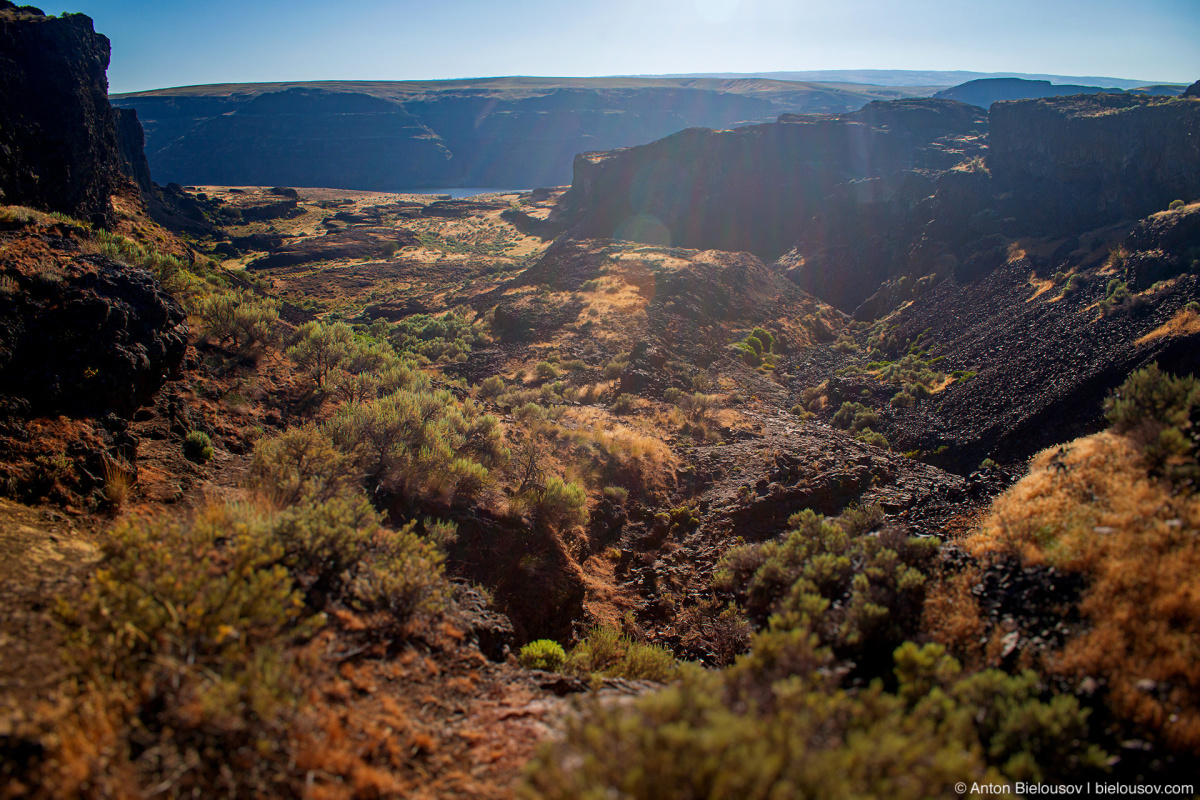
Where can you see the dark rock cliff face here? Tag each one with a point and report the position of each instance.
(1073, 163)
(842, 185)
(392, 136)
(857, 204)
(80, 334)
(58, 142)
(305, 138)
(132, 142)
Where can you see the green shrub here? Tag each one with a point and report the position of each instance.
(243, 319)
(1150, 396)
(300, 464)
(607, 652)
(772, 726)
(672, 395)
(764, 336)
(198, 447)
(617, 494)
(545, 370)
(182, 629)
(698, 405)
(855, 417)
(420, 444)
(1116, 294)
(623, 404)
(1156, 408)
(445, 338)
(491, 387)
(872, 438)
(903, 399)
(544, 654)
(559, 505)
(860, 594)
(319, 348)
(1174, 204)
(612, 370)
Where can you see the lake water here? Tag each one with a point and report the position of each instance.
(463, 191)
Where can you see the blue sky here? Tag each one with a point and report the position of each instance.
(161, 43)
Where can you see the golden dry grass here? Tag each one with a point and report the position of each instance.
(1041, 287)
(1091, 507)
(1185, 323)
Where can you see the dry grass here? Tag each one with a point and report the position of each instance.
(1185, 323)
(118, 485)
(952, 617)
(1041, 287)
(1091, 507)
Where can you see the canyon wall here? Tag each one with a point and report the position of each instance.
(504, 132)
(1079, 162)
(58, 142)
(856, 207)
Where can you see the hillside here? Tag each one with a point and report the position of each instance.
(850, 454)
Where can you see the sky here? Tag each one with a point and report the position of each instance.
(164, 43)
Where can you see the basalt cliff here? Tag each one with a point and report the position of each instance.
(389, 136)
(899, 189)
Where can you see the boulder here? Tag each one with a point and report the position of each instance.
(93, 338)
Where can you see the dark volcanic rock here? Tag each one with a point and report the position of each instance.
(1193, 90)
(754, 188)
(296, 137)
(132, 142)
(58, 140)
(1044, 365)
(355, 242)
(100, 337)
(847, 194)
(261, 212)
(858, 203)
(398, 136)
(1080, 162)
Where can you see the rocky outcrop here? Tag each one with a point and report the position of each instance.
(353, 242)
(1068, 164)
(58, 138)
(1193, 90)
(82, 334)
(986, 91)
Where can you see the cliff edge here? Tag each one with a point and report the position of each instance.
(58, 140)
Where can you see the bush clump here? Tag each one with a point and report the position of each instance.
(1157, 410)
(772, 726)
(420, 444)
(242, 319)
(544, 654)
(855, 417)
(198, 447)
(860, 594)
(300, 464)
(607, 652)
